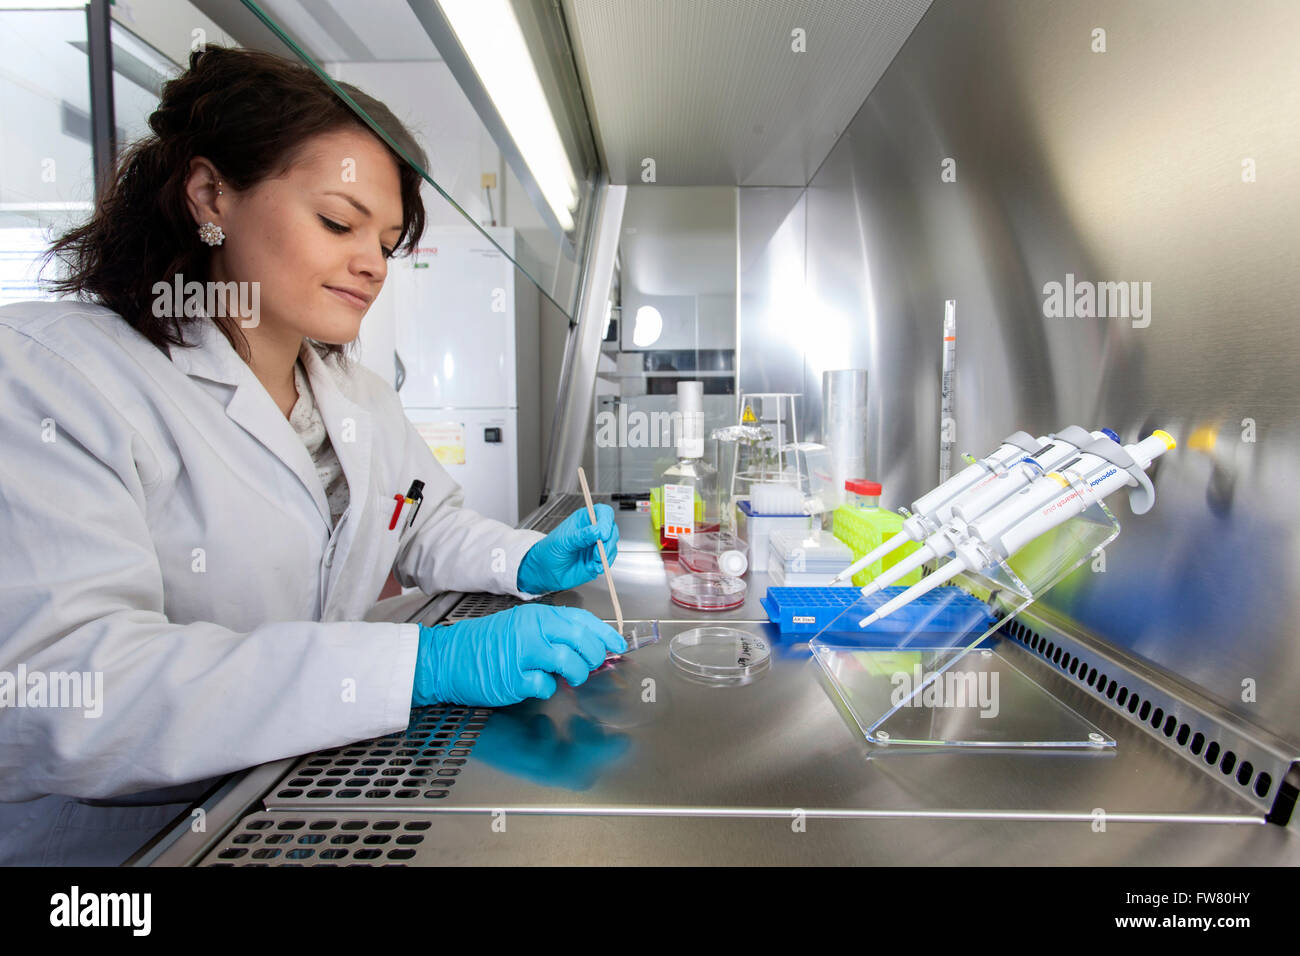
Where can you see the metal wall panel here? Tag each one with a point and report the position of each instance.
(1122, 165)
(771, 239)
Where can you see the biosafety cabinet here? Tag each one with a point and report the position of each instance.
(754, 195)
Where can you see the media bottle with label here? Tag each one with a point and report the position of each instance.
(688, 489)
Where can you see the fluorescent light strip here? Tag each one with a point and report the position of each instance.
(490, 35)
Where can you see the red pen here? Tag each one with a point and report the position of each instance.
(413, 497)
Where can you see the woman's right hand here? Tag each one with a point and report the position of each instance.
(506, 657)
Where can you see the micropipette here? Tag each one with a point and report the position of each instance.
(933, 509)
(985, 496)
(1047, 502)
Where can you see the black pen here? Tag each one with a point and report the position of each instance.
(416, 494)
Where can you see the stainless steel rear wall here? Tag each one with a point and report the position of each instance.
(1128, 165)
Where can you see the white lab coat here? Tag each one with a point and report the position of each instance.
(162, 524)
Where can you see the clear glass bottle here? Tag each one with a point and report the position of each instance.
(689, 487)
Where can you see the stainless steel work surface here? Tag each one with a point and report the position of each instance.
(504, 839)
(640, 737)
(643, 765)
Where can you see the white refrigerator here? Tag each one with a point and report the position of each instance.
(461, 323)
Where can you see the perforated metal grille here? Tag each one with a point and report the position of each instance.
(557, 509)
(309, 839)
(478, 605)
(417, 766)
(1228, 755)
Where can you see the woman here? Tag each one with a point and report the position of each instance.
(200, 496)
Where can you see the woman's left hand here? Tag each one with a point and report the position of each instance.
(567, 557)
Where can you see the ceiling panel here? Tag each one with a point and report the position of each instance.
(714, 91)
(351, 31)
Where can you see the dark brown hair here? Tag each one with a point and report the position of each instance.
(250, 113)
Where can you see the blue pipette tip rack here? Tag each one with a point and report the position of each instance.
(944, 611)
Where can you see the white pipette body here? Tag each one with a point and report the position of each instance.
(932, 509)
(1049, 500)
(1045, 504)
(985, 496)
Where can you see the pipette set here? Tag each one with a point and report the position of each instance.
(994, 507)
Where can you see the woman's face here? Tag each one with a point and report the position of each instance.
(311, 237)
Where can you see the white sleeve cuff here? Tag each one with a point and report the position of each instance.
(397, 709)
(508, 579)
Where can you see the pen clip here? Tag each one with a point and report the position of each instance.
(416, 496)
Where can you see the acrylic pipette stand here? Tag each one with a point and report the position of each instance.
(933, 689)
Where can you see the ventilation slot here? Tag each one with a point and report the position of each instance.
(559, 508)
(267, 840)
(1145, 711)
(481, 605)
(418, 765)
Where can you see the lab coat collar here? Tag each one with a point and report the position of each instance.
(348, 422)
(349, 425)
(210, 355)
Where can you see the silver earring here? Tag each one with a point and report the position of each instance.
(211, 233)
(219, 187)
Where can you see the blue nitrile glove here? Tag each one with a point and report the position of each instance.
(567, 556)
(505, 657)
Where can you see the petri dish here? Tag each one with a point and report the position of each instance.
(720, 655)
(707, 591)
